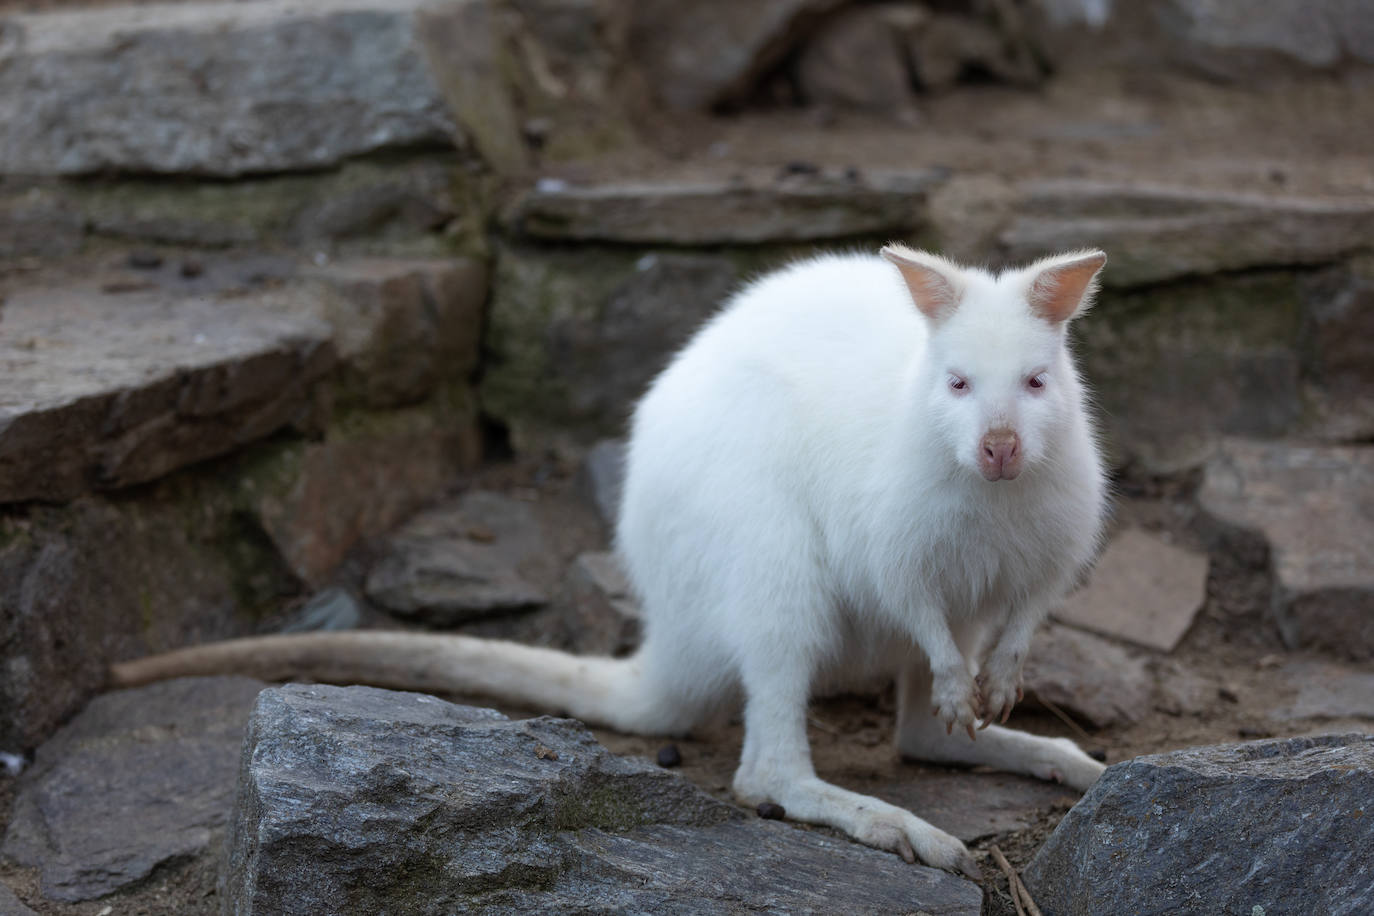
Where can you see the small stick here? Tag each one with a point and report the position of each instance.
(1064, 717)
(1007, 870)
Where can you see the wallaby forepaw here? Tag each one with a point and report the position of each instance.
(956, 702)
(999, 684)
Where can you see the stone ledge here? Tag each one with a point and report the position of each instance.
(110, 384)
(102, 390)
(216, 88)
(723, 212)
(1158, 233)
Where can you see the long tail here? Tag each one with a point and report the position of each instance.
(603, 691)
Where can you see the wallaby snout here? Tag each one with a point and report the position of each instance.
(999, 454)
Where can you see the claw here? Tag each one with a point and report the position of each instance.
(905, 851)
(986, 723)
(969, 868)
(934, 711)
(1020, 694)
(1006, 713)
(949, 728)
(972, 735)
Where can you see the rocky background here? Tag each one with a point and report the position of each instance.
(330, 314)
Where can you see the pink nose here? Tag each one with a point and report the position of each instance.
(999, 454)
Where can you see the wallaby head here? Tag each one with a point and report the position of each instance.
(996, 381)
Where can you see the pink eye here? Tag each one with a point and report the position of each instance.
(1036, 381)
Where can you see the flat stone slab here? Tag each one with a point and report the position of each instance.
(791, 209)
(1314, 505)
(1264, 827)
(102, 389)
(1143, 590)
(1087, 676)
(974, 806)
(140, 778)
(460, 561)
(11, 905)
(1157, 233)
(219, 89)
(360, 801)
(1327, 691)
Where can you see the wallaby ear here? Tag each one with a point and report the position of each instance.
(1063, 286)
(935, 283)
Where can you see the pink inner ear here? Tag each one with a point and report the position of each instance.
(933, 292)
(1058, 291)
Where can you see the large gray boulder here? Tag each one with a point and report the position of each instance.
(362, 801)
(216, 88)
(1265, 827)
(1314, 506)
(140, 779)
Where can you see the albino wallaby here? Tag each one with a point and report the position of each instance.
(856, 467)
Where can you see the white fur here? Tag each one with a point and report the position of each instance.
(803, 507)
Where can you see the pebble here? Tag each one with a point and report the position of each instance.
(771, 811)
(145, 260)
(669, 756)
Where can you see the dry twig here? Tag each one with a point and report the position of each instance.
(1019, 894)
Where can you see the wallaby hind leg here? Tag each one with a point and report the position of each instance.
(922, 737)
(776, 766)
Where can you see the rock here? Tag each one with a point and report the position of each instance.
(401, 326)
(138, 780)
(315, 500)
(604, 473)
(11, 905)
(355, 800)
(1220, 40)
(807, 208)
(1272, 826)
(574, 337)
(856, 61)
(38, 224)
(698, 55)
(239, 89)
(974, 806)
(1327, 691)
(1143, 590)
(1219, 358)
(331, 609)
(467, 46)
(1341, 310)
(103, 391)
(1087, 676)
(1315, 507)
(1158, 233)
(401, 198)
(946, 47)
(606, 616)
(1179, 690)
(437, 570)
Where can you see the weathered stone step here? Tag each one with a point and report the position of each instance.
(107, 383)
(216, 88)
(100, 389)
(741, 210)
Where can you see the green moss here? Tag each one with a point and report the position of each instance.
(601, 807)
